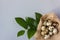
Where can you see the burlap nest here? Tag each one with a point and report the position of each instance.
(54, 18)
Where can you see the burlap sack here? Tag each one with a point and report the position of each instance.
(52, 17)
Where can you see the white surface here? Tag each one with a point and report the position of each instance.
(9, 9)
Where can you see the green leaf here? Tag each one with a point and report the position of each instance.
(30, 33)
(35, 24)
(20, 33)
(30, 22)
(38, 16)
(21, 22)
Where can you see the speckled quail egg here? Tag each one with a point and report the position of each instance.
(51, 28)
(55, 24)
(43, 28)
(46, 31)
(46, 36)
(45, 22)
(50, 33)
(55, 31)
(48, 23)
(42, 33)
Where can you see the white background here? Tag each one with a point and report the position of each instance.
(9, 9)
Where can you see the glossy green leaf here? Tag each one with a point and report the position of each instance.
(38, 16)
(35, 24)
(21, 22)
(30, 21)
(30, 33)
(20, 33)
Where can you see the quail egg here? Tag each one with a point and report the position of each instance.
(42, 33)
(45, 22)
(46, 36)
(55, 31)
(50, 28)
(48, 23)
(46, 31)
(50, 33)
(43, 28)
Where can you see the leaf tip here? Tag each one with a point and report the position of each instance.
(20, 33)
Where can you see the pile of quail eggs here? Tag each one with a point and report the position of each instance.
(48, 29)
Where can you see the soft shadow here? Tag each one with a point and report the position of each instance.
(57, 11)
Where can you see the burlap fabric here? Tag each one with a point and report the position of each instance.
(53, 17)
